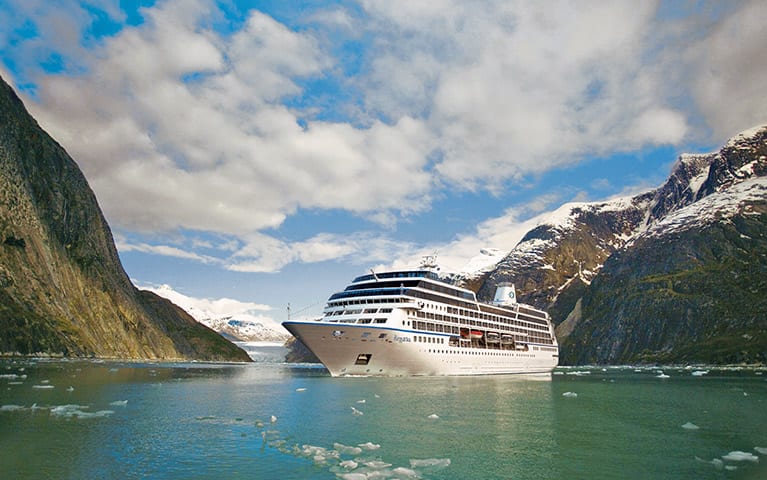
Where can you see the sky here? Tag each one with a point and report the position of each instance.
(267, 152)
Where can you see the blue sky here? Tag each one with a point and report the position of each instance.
(269, 151)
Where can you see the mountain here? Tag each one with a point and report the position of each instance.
(235, 320)
(675, 274)
(63, 290)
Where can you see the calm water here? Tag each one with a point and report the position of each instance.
(198, 421)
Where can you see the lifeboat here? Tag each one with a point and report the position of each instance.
(472, 334)
(493, 337)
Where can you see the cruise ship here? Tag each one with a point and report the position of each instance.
(411, 322)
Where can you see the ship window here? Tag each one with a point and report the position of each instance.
(380, 320)
(383, 335)
(385, 310)
(370, 310)
(364, 320)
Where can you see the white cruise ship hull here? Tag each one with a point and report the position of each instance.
(366, 350)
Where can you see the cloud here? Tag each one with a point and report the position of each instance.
(192, 124)
(518, 88)
(180, 126)
(727, 71)
(267, 254)
(164, 250)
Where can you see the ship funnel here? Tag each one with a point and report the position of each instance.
(505, 294)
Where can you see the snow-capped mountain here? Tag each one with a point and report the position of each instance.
(235, 320)
(641, 278)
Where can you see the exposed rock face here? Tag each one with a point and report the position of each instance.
(673, 275)
(62, 287)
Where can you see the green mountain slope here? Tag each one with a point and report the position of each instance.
(62, 287)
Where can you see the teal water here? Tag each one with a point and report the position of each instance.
(199, 421)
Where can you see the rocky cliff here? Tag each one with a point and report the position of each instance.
(676, 274)
(62, 287)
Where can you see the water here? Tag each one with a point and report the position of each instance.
(200, 421)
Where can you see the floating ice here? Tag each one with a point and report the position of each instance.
(405, 472)
(119, 403)
(361, 401)
(10, 408)
(356, 412)
(433, 416)
(369, 446)
(377, 395)
(662, 375)
(377, 464)
(70, 411)
(352, 476)
(430, 462)
(70, 388)
(347, 450)
(348, 464)
(761, 450)
(690, 426)
(10, 376)
(699, 373)
(738, 456)
(730, 468)
(273, 419)
(300, 389)
(43, 387)
(570, 394)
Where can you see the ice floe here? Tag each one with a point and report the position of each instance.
(10, 408)
(273, 419)
(662, 375)
(738, 456)
(405, 472)
(361, 462)
(430, 462)
(43, 387)
(119, 403)
(300, 389)
(570, 394)
(761, 450)
(690, 426)
(699, 373)
(433, 416)
(352, 476)
(369, 446)
(78, 411)
(346, 449)
(356, 412)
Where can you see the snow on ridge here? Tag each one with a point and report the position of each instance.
(225, 315)
(718, 206)
(698, 181)
(745, 135)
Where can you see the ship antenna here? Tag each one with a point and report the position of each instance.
(429, 262)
